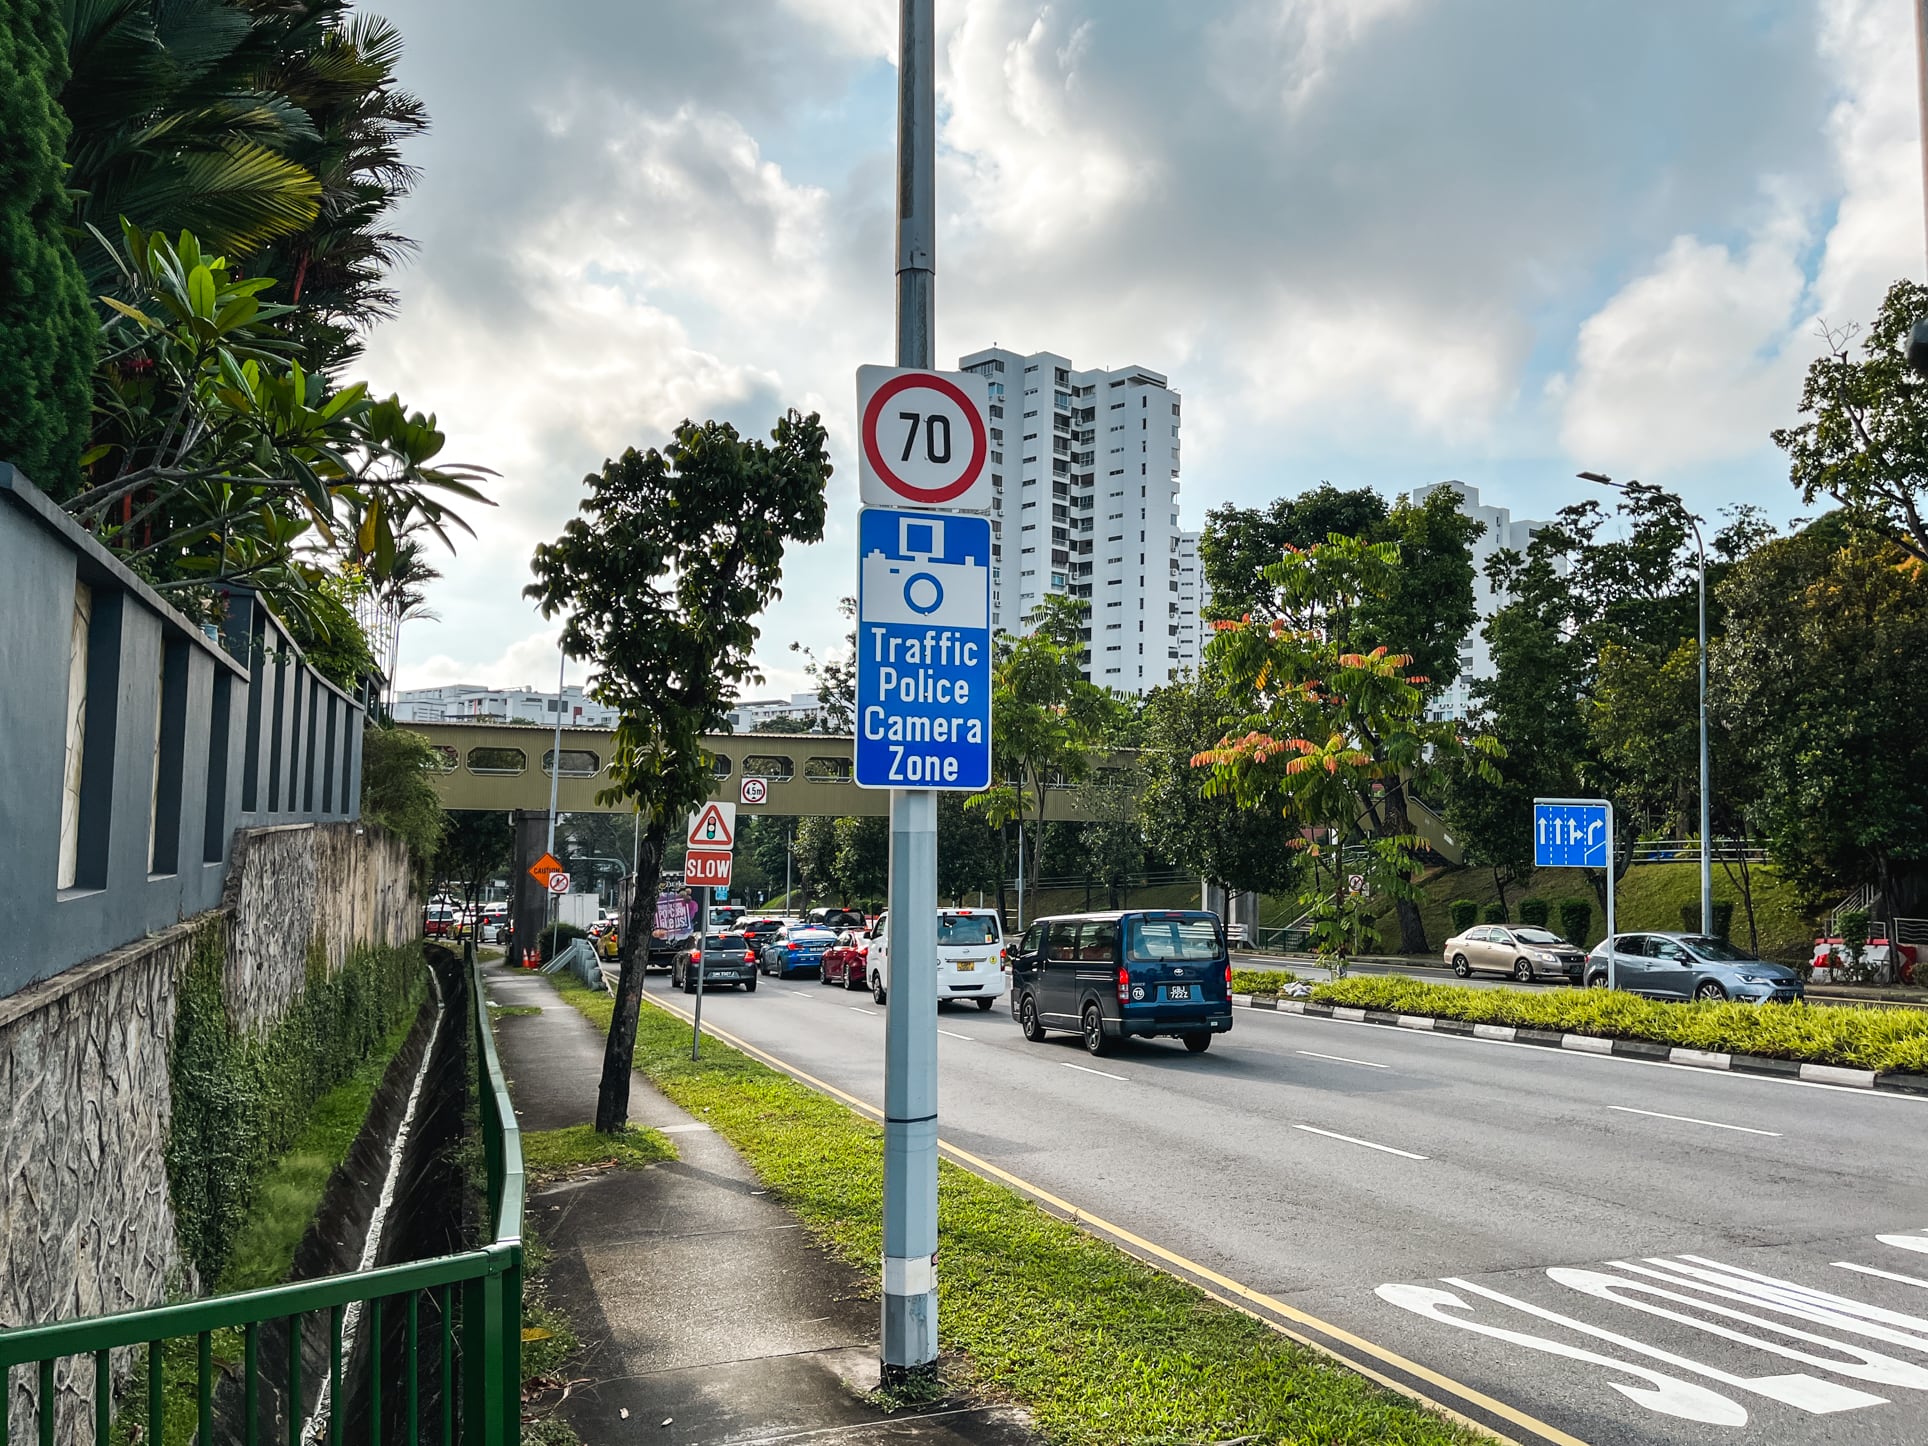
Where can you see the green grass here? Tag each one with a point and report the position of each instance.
(549, 1154)
(1098, 1346)
(1878, 1039)
(1261, 981)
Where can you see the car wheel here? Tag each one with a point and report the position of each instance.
(984, 1005)
(749, 985)
(1522, 971)
(823, 975)
(1707, 991)
(1198, 1043)
(1028, 1019)
(1598, 981)
(689, 982)
(853, 980)
(1092, 1027)
(877, 990)
(1461, 967)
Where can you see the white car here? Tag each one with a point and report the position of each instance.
(970, 957)
(491, 920)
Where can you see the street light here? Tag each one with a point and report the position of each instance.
(1706, 833)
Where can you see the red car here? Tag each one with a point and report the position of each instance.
(846, 962)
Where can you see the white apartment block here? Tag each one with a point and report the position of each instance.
(1085, 466)
(746, 716)
(1502, 531)
(473, 703)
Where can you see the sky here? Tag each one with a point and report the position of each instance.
(1373, 242)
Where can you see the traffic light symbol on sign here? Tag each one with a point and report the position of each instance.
(712, 830)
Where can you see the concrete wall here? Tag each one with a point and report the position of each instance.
(86, 1225)
(179, 741)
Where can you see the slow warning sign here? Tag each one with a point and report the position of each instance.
(713, 826)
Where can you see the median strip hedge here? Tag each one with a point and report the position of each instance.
(1098, 1346)
(1261, 981)
(1877, 1039)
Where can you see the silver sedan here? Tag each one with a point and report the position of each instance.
(1525, 951)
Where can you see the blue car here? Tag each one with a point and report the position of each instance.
(1691, 966)
(795, 949)
(1126, 975)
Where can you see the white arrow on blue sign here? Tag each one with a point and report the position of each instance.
(1571, 833)
(923, 650)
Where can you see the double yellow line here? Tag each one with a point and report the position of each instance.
(1266, 1309)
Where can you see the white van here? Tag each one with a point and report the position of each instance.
(970, 957)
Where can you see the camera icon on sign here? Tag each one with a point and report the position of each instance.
(912, 583)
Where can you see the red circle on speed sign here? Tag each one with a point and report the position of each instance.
(951, 392)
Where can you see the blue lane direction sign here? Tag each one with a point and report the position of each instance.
(1571, 833)
(923, 650)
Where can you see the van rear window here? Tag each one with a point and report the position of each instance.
(966, 930)
(1184, 941)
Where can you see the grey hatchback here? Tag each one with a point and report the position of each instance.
(1691, 966)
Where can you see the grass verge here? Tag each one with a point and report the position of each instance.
(1877, 1039)
(1266, 982)
(552, 1154)
(549, 1344)
(1098, 1346)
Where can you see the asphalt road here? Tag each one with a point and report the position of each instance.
(1458, 1203)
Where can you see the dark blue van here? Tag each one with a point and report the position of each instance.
(1115, 976)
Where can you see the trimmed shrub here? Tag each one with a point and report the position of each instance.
(1465, 914)
(1576, 919)
(1535, 911)
(1493, 913)
(555, 937)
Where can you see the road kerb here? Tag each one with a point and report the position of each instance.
(1840, 1076)
(1270, 1311)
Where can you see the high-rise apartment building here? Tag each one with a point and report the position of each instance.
(1502, 531)
(1085, 466)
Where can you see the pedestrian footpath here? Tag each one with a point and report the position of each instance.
(707, 1315)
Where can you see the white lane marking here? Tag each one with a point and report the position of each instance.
(1881, 1274)
(1690, 1120)
(955, 1035)
(683, 1129)
(1083, 1069)
(1727, 1074)
(859, 1009)
(1350, 1140)
(1343, 1060)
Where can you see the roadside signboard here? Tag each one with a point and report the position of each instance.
(707, 868)
(543, 867)
(754, 791)
(1571, 833)
(923, 651)
(923, 441)
(558, 882)
(674, 916)
(713, 826)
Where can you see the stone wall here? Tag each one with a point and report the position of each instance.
(86, 1226)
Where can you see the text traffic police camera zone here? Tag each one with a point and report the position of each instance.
(923, 651)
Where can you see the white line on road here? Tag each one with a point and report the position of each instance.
(1083, 1069)
(956, 1036)
(859, 1009)
(1690, 1120)
(1343, 1060)
(1350, 1140)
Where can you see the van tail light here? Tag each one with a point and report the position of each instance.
(1228, 981)
(1124, 984)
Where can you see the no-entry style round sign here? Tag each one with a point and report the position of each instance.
(924, 442)
(754, 790)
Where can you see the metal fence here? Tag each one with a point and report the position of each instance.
(470, 1350)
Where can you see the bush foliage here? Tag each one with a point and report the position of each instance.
(1576, 920)
(1878, 1039)
(1465, 914)
(1535, 911)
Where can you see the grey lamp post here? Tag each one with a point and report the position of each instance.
(1706, 832)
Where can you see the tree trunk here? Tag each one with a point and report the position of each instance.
(1003, 869)
(619, 1051)
(1397, 822)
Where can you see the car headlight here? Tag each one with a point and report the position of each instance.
(1546, 956)
(1757, 979)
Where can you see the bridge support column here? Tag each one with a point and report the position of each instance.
(528, 900)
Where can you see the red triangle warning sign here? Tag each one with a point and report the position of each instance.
(714, 827)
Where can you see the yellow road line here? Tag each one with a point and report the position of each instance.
(1245, 1296)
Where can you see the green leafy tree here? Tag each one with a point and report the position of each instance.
(476, 846)
(969, 858)
(1328, 729)
(1215, 837)
(1047, 718)
(46, 324)
(678, 552)
(786, 723)
(396, 793)
(860, 863)
(1865, 443)
(1240, 543)
(815, 857)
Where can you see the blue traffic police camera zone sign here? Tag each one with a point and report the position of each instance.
(923, 650)
(1571, 833)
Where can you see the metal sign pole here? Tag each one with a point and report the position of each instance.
(909, 1346)
(1613, 980)
(702, 933)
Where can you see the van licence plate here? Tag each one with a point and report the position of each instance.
(965, 966)
(1178, 991)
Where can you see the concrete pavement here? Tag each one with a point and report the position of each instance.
(1456, 1203)
(707, 1315)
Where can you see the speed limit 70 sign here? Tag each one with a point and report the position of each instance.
(924, 442)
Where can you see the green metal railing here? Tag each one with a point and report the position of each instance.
(470, 1350)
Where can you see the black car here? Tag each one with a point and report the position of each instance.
(1116, 976)
(725, 959)
(838, 919)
